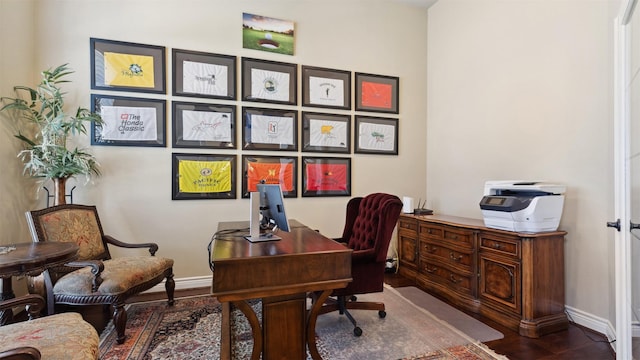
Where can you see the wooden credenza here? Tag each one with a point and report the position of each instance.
(515, 279)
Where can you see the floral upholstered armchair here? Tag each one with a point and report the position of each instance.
(56, 337)
(95, 278)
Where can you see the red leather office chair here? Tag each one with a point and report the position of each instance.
(369, 224)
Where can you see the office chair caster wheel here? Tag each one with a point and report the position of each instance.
(357, 331)
(353, 298)
(382, 314)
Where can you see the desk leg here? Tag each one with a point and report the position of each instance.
(225, 334)
(6, 316)
(284, 327)
(311, 324)
(255, 327)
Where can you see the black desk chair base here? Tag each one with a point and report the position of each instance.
(342, 305)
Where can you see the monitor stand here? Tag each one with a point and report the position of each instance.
(263, 237)
(254, 221)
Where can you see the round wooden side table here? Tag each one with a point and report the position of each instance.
(30, 258)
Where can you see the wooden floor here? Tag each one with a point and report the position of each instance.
(575, 343)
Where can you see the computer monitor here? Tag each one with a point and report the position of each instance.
(267, 214)
(272, 207)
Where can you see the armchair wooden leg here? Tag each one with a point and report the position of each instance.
(120, 321)
(6, 316)
(48, 285)
(170, 286)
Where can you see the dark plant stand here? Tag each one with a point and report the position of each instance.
(67, 196)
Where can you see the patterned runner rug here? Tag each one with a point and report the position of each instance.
(191, 330)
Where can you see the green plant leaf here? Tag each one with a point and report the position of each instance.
(43, 109)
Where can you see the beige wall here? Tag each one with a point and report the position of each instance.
(134, 193)
(16, 65)
(523, 90)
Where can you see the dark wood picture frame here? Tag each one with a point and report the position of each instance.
(326, 88)
(269, 81)
(281, 170)
(123, 66)
(329, 133)
(209, 75)
(203, 172)
(376, 135)
(127, 122)
(377, 93)
(269, 129)
(199, 125)
(326, 176)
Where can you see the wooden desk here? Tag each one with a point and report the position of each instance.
(30, 259)
(281, 273)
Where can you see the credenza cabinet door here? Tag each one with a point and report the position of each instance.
(408, 247)
(500, 282)
(500, 271)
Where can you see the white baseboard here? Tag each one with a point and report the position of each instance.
(595, 323)
(635, 328)
(184, 284)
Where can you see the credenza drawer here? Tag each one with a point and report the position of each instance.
(500, 245)
(457, 258)
(443, 275)
(431, 231)
(454, 236)
(408, 225)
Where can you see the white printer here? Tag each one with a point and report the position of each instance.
(522, 206)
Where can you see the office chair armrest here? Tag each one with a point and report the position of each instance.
(21, 353)
(33, 304)
(340, 240)
(153, 247)
(368, 255)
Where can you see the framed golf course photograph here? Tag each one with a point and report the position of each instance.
(267, 34)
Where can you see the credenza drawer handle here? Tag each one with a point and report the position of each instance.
(430, 270)
(453, 279)
(431, 248)
(497, 246)
(429, 231)
(455, 258)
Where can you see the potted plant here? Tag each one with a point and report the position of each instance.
(44, 128)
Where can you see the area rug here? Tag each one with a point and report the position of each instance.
(471, 327)
(191, 330)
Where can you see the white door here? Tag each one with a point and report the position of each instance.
(633, 164)
(627, 180)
